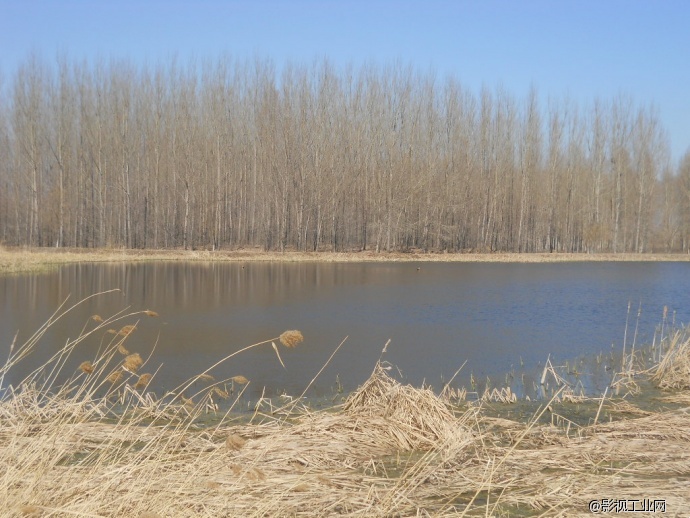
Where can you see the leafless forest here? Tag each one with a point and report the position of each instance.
(229, 154)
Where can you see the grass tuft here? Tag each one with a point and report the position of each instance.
(673, 370)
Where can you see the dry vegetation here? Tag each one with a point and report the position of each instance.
(26, 260)
(101, 444)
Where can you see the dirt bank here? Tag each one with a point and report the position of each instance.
(22, 260)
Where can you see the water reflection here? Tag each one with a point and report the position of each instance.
(495, 316)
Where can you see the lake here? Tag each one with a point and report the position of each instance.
(495, 316)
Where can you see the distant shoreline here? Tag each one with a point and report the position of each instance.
(28, 260)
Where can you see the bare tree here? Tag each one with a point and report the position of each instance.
(230, 154)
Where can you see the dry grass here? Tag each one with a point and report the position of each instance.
(89, 447)
(23, 260)
(673, 370)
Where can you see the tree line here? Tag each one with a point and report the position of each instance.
(227, 153)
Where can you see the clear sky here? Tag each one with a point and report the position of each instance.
(581, 49)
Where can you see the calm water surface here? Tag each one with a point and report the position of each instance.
(490, 315)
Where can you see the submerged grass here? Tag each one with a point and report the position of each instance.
(101, 444)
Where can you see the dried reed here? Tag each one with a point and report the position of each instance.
(127, 330)
(673, 371)
(30, 511)
(234, 442)
(291, 338)
(221, 393)
(86, 367)
(115, 376)
(503, 395)
(132, 362)
(143, 381)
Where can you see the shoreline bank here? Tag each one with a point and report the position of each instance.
(35, 260)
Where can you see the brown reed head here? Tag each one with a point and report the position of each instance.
(111, 332)
(291, 338)
(132, 362)
(97, 318)
(86, 367)
(122, 350)
(127, 330)
(143, 381)
(115, 376)
(205, 377)
(221, 393)
(150, 313)
(240, 379)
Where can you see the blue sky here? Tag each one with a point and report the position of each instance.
(581, 49)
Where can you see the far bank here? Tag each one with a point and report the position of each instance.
(32, 260)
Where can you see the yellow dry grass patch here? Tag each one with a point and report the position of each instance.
(389, 450)
(101, 446)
